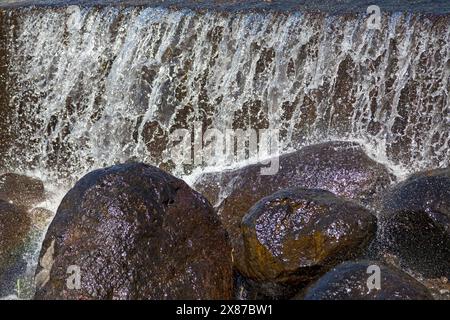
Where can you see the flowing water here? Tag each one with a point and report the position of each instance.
(90, 86)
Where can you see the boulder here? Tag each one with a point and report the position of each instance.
(14, 228)
(297, 234)
(415, 223)
(133, 231)
(349, 281)
(21, 190)
(339, 167)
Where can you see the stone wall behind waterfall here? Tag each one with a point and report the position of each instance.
(100, 85)
(4, 139)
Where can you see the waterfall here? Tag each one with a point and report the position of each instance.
(95, 86)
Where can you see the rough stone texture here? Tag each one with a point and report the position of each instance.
(439, 288)
(348, 281)
(136, 232)
(415, 223)
(340, 167)
(14, 227)
(294, 235)
(21, 190)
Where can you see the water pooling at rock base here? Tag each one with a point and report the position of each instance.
(92, 84)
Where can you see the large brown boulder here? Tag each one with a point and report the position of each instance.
(135, 232)
(348, 281)
(295, 235)
(14, 228)
(21, 190)
(415, 223)
(339, 167)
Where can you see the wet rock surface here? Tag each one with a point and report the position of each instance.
(348, 281)
(415, 223)
(135, 232)
(249, 289)
(295, 235)
(21, 190)
(339, 167)
(14, 227)
(439, 288)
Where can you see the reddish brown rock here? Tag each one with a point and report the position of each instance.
(21, 190)
(295, 235)
(135, 232)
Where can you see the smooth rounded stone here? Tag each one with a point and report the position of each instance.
(415, 223)
(356, 281)
(21, 190)
(14, 228)
(134, 231)
(297, 234)
(339, 167)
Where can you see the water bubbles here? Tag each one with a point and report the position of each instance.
(74, 22)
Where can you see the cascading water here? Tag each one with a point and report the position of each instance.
(93, 86)
(104, 85)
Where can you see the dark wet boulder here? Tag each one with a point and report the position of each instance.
(358, 281)
(297, 234)
(134, 231)
(339, 167)
(415, 223)
(14, 228)
(21, 190)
